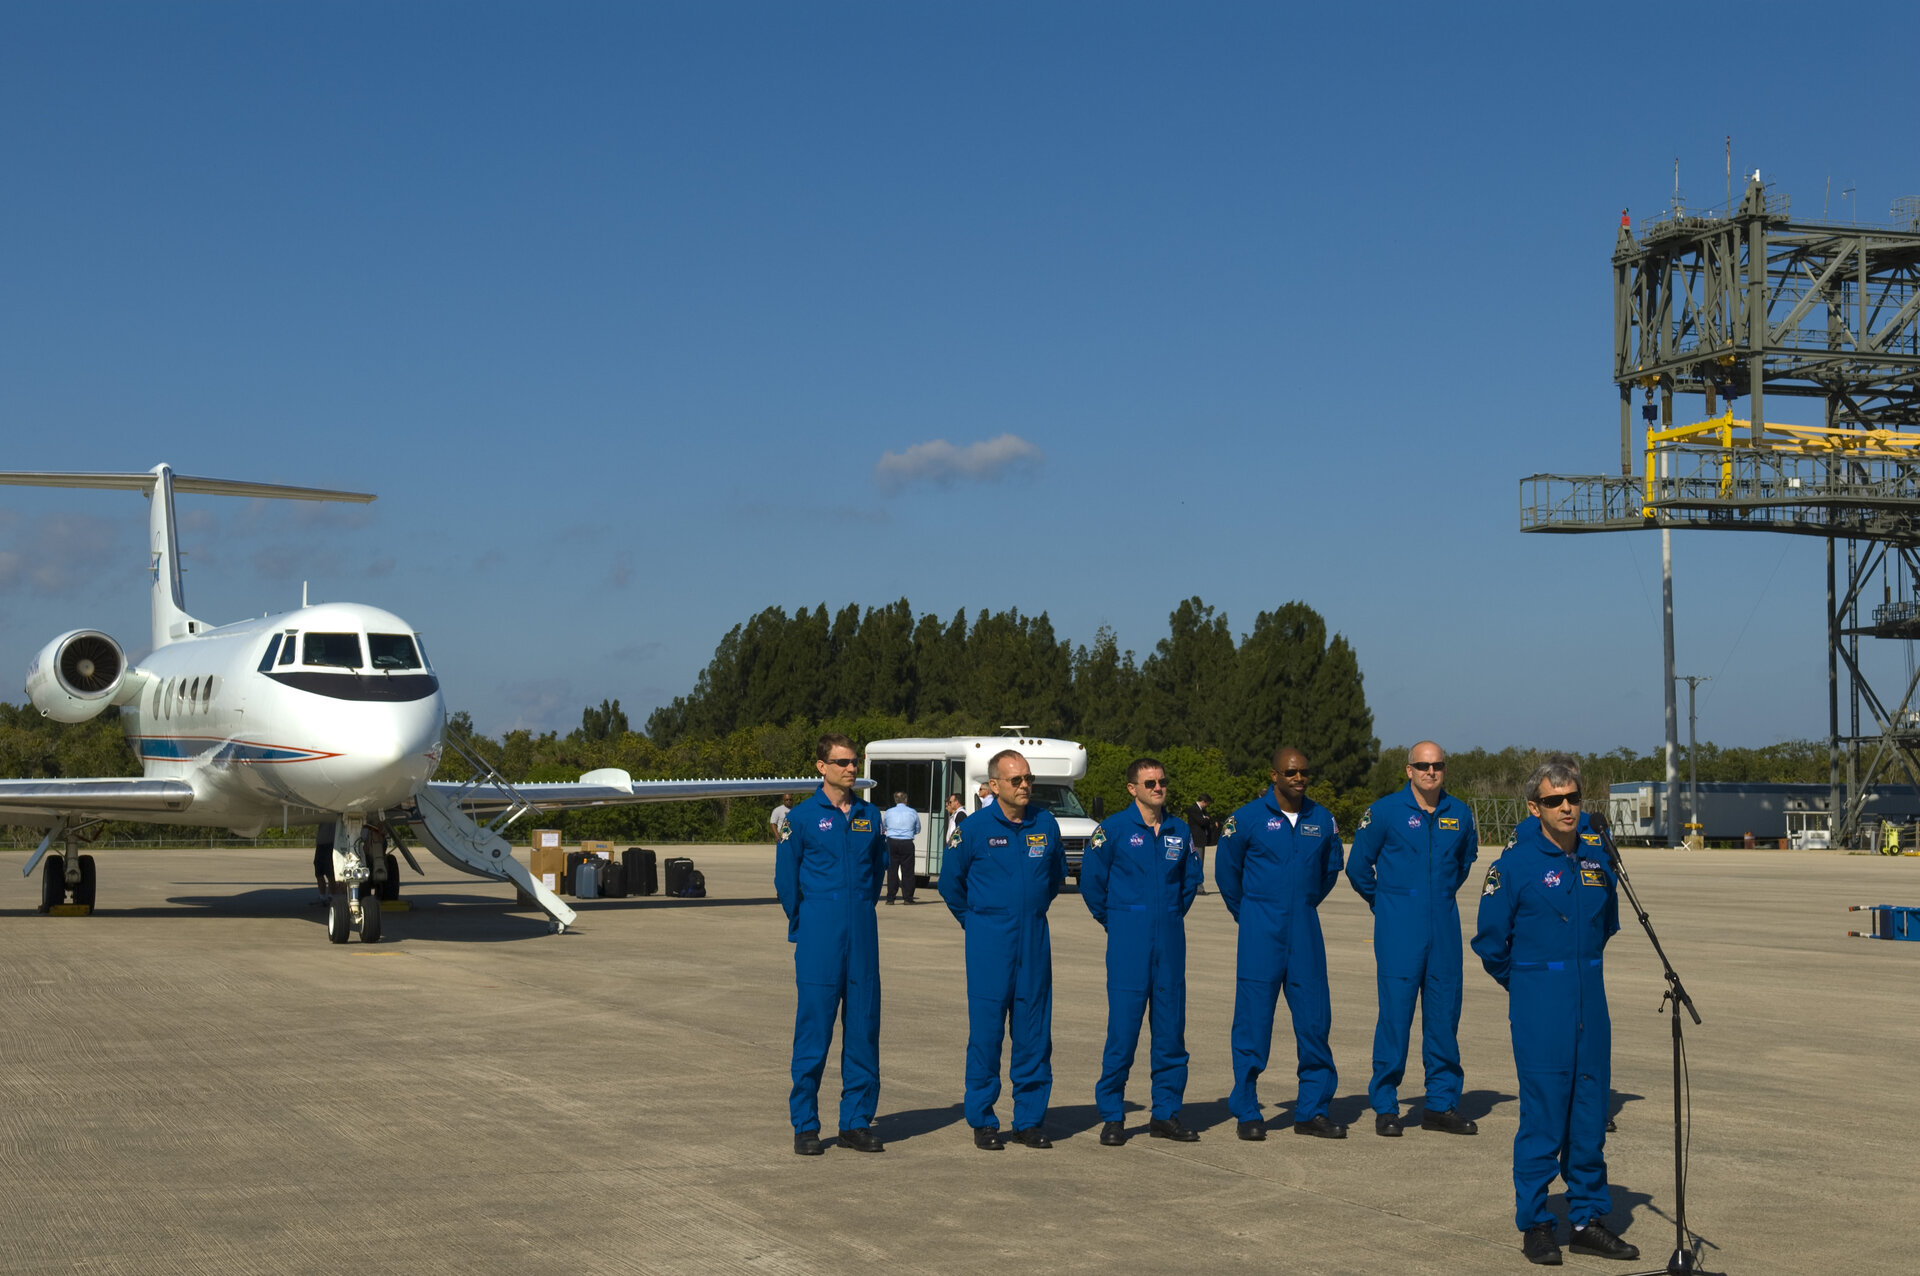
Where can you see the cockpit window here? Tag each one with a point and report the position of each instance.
(425, 661)
(339, 651)
(392, 651)
(286, 652)
(273, 649)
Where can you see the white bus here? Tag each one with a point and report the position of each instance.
(927, 769)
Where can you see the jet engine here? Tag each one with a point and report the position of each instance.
(76, 676)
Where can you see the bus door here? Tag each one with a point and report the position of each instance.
(919, 781)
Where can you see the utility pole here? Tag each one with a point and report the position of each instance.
(1693, 682)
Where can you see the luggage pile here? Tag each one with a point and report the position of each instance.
(594, 871)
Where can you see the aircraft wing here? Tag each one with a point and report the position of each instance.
(617, 788)
(39, 801)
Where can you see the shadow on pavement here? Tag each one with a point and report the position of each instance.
(898, 1127)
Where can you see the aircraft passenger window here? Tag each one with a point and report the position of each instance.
(337, 651)
(286, 652)
(206, 700)
(193, 697)
(392, 651)
(273, 649)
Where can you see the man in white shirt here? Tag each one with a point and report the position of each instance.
(901, 824)
(780, 814)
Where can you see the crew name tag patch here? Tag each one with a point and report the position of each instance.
(1309, 830)
(1592, 877)
(1591, 839)
(863, 826)
(1036, 845)
(1449, 825)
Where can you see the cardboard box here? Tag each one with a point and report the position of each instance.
(549, 864)
(603, 849)
(546, 839)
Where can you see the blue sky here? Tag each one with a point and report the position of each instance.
(620, 309)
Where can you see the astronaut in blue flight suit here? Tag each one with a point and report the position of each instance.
(1138, 878)
(1410, 856)
(827, 870)
(1547, 909)
(1278, 857)
(1002, 869)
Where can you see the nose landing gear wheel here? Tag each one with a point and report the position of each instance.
(53, 882)
(339, 916)
(369, 918)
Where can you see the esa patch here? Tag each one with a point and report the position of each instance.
(1592, 877)
(996, 841)
(1493, 880)
(863, 826)
(1036, 845)
(1449, 825)
(1552, 879)
(1136, 840)
(826, 824)
(1230, 829)
(1591, 864)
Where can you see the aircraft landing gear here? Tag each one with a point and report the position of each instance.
(369, 917)
(339, 915)
(354, 903)
(53, 882)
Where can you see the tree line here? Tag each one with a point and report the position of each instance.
(1284, 679)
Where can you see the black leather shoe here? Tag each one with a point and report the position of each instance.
(1596, 1240)
(1251, 1131)
(1448, 1122)
(987, 1138)
(807, 1143)
(861, 1140)
(889, 903)
(1171, 1129)
(1388, 1124)
(1033, 1136)
(1113, 1134)
(1611, 1127)
(1321, 1127)
(1538, 1245)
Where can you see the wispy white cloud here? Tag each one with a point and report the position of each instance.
(542, 704)
(942, 464)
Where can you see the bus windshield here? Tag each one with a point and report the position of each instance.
(1059, 799)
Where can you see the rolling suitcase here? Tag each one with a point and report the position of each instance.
(574, 860)
(678, 870)
(586, 879)
(613, 879)
(643, 875)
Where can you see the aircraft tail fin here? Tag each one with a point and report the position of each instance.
(170, 619)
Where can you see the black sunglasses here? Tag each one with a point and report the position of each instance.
(1151, 784)
(1300, 771)
(1553, 801)
(843, 761)
(1428, 766)
(1017, 781)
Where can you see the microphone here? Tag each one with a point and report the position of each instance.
(1597, 821)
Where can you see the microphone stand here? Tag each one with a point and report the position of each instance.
(1682, 1261)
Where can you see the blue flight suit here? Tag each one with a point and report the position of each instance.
(999, 876)
(827, 872)
(1408, 864)
(1139, 885)
(1272, 873)
(1545, 917)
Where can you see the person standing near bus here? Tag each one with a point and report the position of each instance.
(902, 824)
(827, 870)
(1001, 873)
(1138, 879)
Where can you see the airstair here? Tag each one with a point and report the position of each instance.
(461, 842)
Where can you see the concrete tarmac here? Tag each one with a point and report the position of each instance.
(194, 1080)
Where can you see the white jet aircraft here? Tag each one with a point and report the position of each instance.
(328, 714)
